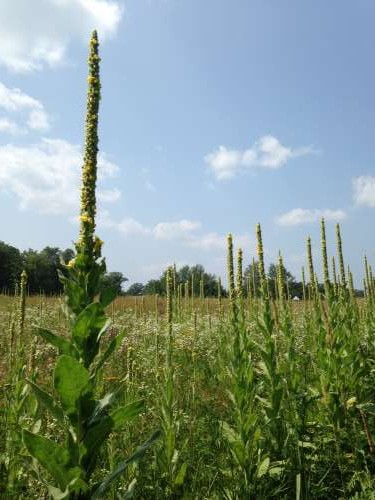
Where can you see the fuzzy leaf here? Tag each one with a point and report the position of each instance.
(263, 467)
(113, 346)
(50, 455)
(107, 295)
(179, 479)
(71, 381)
(124, 414)
(91, 317)
(47, 401)
(63, 345)
(101, 488)
(101, 406)
(86, 329)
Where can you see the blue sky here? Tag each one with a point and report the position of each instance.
(215, 115)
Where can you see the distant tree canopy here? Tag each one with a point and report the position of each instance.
(251, 280)
(135, 289)
(10, 266)
(42, 269)
(196, 276)
(114, 280)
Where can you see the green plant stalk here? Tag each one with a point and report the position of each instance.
(327, 283)
(341, 256)
(86, 419)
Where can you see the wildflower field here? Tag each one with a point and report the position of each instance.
(252, 396)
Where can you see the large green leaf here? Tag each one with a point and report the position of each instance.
(101, 406)
(98, 432)
(93, 441)
(52, 457)
(124, 414)
(100, 489)
(113, 346)
(180, 476)
(72, 383)
(92, 317)
(74, 293)
(47, 401)
(107, 295)
(85, 331)
(105, 327)
(63, 345)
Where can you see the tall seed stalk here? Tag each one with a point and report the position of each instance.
(86, 418)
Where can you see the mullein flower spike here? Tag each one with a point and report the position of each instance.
(230, 267)
(261, 268)
(312, 284)
(341, 256)
(280, 278)
(239, 274)
(87, 244)
(327, 284)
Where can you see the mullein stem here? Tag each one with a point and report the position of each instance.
(341, 256)
(86, 243)
(327, 284)
(262, 274)
(230, 270)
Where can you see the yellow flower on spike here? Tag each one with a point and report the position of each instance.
(71, 263)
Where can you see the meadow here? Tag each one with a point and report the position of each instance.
(253, 396)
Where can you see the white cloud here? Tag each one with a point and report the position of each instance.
(299, 216)
(150, 187)
(267, 152)
(214, 241)
(38, 120)
(364, 190)
(46, 176)
(16, 101)
(109, 195)
(9, 126)
(132, 226)
(185, 231)
(37, 33)
(127, 226)
(208, 241)
(224, 163)
(147, 183)
(175, 230)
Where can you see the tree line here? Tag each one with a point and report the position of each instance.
(195, 279)
(42, 270)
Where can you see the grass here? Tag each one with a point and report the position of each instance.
(303, 378)
(257, 397)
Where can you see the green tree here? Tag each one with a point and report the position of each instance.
(135, 289)
(154, 286)
(114, 280)
(10, 266)
(42, 269)
(252, 274)
(192, 274)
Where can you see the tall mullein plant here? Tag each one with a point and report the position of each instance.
(170, 466)
(85, 418)
(241, 431)
(271, 374)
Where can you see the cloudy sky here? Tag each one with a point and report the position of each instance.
(215, 115)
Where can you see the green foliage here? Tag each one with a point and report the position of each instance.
(137, 289)
(114, 280)
(186, 274)
(86, 419)
(42, 269)
(10, 266)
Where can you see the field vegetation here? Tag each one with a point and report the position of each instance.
(250, 396)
